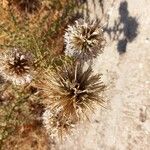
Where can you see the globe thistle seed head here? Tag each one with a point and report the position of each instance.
(84, 39)
(29, 6)
(73, 90)
(56, 124)
(16, 66)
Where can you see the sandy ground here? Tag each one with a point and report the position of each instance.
(125, 63)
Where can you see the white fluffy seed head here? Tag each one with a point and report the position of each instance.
(84, 39)
(56, 124)
(15, 66)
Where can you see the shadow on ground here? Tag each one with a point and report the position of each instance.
(129, 29)
(93, 2)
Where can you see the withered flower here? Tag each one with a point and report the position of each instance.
(16, 66)
(84, 39)
(56, 124)
(28, 6)
(73, 90)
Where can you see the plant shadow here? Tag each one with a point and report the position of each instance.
(129, 29)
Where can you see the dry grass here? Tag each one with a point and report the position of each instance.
(30, 136)
(39, 30)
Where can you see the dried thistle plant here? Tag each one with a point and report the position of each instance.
(84, 39)
(16, 66)
(56, 124)
(28, 6)
(37, 33)
(73, 90)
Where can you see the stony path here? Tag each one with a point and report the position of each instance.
(125, 124)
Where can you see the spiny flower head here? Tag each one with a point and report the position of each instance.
(28, 6)
(73, 90)
(16, 66)
(56, 124)
(84, 39)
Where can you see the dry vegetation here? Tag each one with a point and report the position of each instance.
(37, 28)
